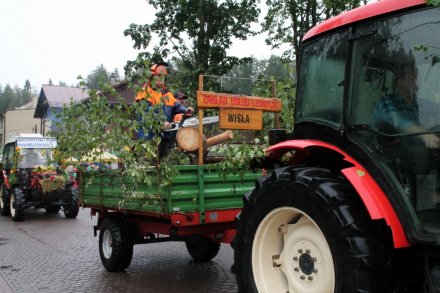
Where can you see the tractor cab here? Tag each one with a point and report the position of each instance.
(373, 90)
(395, 109)
(28, 151)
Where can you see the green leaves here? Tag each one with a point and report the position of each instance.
(287, 21)
(238, 158)
(197, 32)
(433, 2)
(88, 128)
(10, 98)
(140, 34)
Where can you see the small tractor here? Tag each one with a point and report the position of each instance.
(30, 178)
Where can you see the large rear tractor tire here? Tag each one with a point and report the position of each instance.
(16, 204)
(71, 209)
(115, 245)
(4, 201)
(201, 249)
(306, 230)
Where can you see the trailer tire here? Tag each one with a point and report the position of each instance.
(201, 249)
(71, 209)
(5, 210)
(303, 229)
(115, 245)
(16, 204)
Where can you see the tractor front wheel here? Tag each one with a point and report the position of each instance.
(16, 205)
(71, 208)
(306, 230)
(4, 201)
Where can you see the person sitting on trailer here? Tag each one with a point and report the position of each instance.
(181, 98)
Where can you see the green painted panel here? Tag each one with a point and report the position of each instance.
(112, 190)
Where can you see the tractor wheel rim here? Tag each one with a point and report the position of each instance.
(107, 244)
(12, 205)
(290, 254)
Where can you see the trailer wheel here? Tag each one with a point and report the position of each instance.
(115, 245)
(16, 205)
(201, 248)
(4, 201)
(71, 209)
(53, 209)
(305, 230)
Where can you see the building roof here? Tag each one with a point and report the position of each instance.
(125, 91)
(56, 96)
(31, 105)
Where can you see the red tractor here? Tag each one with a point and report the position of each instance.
(352, 203)
(30, 178)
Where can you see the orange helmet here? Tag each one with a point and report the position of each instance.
(159, 68)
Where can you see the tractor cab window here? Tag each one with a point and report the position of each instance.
(8, 156)
(321, 79)
(395, 97)
(30, 157)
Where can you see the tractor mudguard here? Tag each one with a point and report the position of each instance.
(374, 199)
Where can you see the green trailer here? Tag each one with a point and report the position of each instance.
(199, 207)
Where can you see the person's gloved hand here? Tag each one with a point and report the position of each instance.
(166, 125)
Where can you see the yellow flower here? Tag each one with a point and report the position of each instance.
(17, 149)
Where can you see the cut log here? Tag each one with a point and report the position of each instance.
(227, 135)
(188, 139)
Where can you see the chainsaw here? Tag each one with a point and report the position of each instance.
(192, 122)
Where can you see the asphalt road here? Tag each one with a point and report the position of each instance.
(49, 253)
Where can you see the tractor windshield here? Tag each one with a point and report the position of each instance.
(32, 157)
(395, 96)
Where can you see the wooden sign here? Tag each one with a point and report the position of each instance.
(241, 119)
(221, 100)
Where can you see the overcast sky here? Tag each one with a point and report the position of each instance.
(60, 39)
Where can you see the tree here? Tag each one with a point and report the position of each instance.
(6, 99)
(114, 76)
(98, 78)
(288, 20)
(25, 94)
(27, 86)
(241, 79)
(209, 25)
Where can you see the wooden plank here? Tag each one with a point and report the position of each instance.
(221, 100)
(241, 119)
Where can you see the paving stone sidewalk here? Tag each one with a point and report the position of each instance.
(49, 253)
